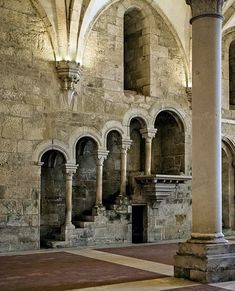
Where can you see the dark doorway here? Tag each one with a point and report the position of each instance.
(138, 224)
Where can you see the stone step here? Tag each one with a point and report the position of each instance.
(55, 244)
(88, 218)
(83, 224)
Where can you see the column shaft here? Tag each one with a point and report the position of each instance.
(123, 172)
(99, 183)
(206, 131)
(68, 214)
(148, 155)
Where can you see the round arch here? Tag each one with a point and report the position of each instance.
(176, 115)
(85, 132)
(110, 126)
(229, 143)
(141, 115)
(175, 110)
(45, 146)
(228, 207)
(227, 38)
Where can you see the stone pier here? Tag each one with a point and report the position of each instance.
(207, 256)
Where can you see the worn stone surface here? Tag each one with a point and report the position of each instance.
(35, 118)
(205, 263)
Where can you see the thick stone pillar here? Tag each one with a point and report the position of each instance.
(148, 135)
(102, 155)
(199, 259)
(125, 147)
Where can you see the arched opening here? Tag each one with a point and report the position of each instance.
(228, 210)
(232, 74)
(84, 180)
(168, 154)
(52, 212)
(136, 52)
(111, 170)
(136, 154)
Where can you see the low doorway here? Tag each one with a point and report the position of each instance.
(139, 224)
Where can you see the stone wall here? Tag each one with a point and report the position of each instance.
(231, 74)
(173, 218)
(28, 85)
(136, 52)
(34, 112)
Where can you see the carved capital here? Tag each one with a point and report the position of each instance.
(101, 157)
(148, 133)
(70, 169)
(206, 8)
(126, 144)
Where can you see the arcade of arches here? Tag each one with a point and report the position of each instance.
(96, 122)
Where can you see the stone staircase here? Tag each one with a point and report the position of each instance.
(102, 226)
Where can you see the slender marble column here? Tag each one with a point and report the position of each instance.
(148, 135)
(125, 147)
(102, 155)
(69, 170)
(206, 119)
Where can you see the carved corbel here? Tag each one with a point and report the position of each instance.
(69, 74)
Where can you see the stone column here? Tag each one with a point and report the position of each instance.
(206, 119)
(125, 147)
(69, 170)
(200, 258)
(102, 155)
(148, 135)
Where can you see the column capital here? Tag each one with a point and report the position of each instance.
(101, 156)
(126, 144)
(206, 8)
(70, 169)
(148, 133)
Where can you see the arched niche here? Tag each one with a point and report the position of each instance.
(232, 74)
(228, 211)
(111, 170)
(136, 52)
(52, 212)
(84, 180)
(136, 154)
(168, 149)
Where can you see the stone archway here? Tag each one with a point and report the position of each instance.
(168, 154)
(52, 206)
(136, 157)
(112, 168)
(228, 207)
(84, 182)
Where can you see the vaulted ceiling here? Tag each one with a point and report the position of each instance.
(68, 22)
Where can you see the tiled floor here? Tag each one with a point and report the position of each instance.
(139, 267)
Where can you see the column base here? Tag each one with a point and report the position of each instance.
(205, 262)
(67, 231)
(122, 200)
(98, 209)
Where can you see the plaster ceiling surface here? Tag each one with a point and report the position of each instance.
(176, 12)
